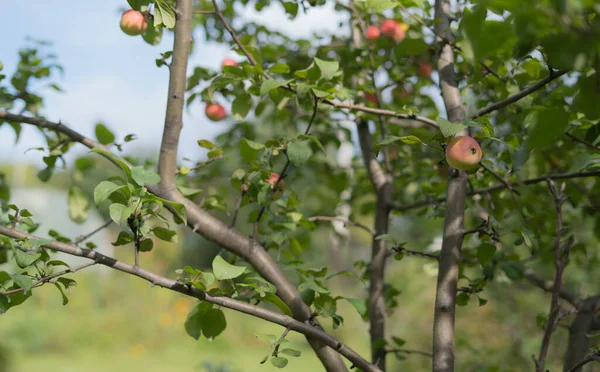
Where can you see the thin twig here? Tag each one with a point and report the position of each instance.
(46, 279)
(278, 344)
(408, 351)
(561, 256)
(87, 236)
(595, 357)
(344, 220)
(203, 164)
(517, 96)
(586, 143)
(558, 176)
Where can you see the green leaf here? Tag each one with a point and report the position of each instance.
(290, 352)
(547, 124)
(388, 238)
(449, 129)
(206, 144)
(272, 298)
(142, 176)
(152, 35)
(224, 270)
(146, 245)
(118, 161)
(249, 149)
(314, 139)
(66, 282)
(279, 362)
(25, 259)
(270, 84)
(328, 69)
(165, 234)
(23, 281)
(120, 213)
(359, 305)
(411, 47)
(462, 299)
(195, 318)
(163, 14)
(485, 253)
(241, 106)
(279, 68)
(214, 323)
(78, 205)
(123, 239)
(65, 299)
(398, 341)
(298, 152)
(379, 6)
(104, 135)
(103, 191)
(514, 270)
(3, 304)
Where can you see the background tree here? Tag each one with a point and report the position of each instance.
(348, 133)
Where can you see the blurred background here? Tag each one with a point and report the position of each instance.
(120, 322)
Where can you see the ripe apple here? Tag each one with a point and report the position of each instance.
(133, 23)
(394, 29)
(215, 111)
(425, 69)
(228, 62)
(272, 180)
(371, 98)
(373, 33)
(463, 153)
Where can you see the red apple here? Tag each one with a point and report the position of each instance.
(371, 98)
(393, 29)
(463, 153)
(133, 22)
(373, 33)
(215, 112)
(425, 69)
(228, 62)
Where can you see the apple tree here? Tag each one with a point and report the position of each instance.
(473, 121)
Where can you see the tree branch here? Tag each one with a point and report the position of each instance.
(214, 230)
(449, 257)
(201, 221)
(382, 184)
(85, 237)
(586, 143)
(48, 278)
(517, 96)
(585, 323)
(595, 357)
(548, 286)
(531, 181)
(560, 262)
(344, 220)
(243, 307)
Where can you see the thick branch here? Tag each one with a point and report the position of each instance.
(449, 257)
(226, 302)
(586, 322)
(167, 161)
(214, 230)
(201, 221)
(531, 181)
(595, 357)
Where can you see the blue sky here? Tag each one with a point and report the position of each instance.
(111, 77)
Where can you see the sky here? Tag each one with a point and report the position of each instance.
(111, 77)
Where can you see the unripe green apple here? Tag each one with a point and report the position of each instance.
(463, 153)
(133, 23)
